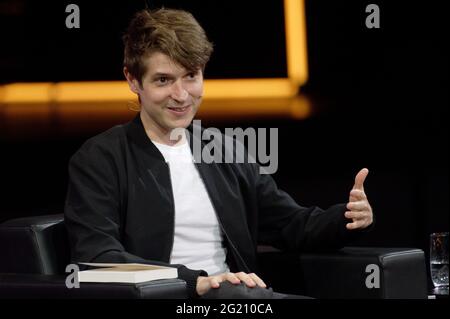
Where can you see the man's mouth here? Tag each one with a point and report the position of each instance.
(179, 110)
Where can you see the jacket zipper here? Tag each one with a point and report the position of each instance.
(173, 211)
(247, 269)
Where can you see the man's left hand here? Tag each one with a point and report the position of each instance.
(359, 209)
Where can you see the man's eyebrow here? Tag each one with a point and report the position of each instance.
(158, 74)
(170, 75)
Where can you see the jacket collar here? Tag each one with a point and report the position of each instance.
(136, 133)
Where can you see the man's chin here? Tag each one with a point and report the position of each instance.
(180, 124)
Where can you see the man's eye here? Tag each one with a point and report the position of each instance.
(192, 75)
(162, 79)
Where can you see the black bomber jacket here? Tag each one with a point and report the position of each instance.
(120, 208)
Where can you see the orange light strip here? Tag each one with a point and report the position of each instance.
(25, 93)
(69, 92)
(296, 42)
(249, 88)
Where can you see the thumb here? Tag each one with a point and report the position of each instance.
(359, 179)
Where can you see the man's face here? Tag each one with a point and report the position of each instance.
(170, 95)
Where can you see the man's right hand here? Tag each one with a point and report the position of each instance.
(204, 284)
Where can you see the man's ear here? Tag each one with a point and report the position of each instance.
(132, 81)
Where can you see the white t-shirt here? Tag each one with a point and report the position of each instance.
(198, 241)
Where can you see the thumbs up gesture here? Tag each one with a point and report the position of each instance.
(359, 209)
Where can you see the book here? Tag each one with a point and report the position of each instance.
(126, 273)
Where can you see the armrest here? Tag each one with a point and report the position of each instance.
(342, 274)
(53, 286)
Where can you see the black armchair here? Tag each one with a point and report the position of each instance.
(34, 253)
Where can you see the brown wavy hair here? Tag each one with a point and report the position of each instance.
(175, 33)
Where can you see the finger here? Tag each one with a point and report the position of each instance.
(232, 278)
(246, 279)
(362, 217)
(358, 206)
(258, 280)
(359, 179)
(359, 223)
(215, 282)
(354, 215)
(357, 194)
(355, 225)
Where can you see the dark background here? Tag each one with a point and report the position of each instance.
(379, 96)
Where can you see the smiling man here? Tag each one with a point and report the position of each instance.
(136, 195)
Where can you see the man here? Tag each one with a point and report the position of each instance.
(135, 195)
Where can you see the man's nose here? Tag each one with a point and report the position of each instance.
(179, 93)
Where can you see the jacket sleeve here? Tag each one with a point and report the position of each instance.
(92, 212)
(286, 225)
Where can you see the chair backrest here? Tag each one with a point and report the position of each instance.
(37, 245)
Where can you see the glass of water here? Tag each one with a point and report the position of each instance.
(439, 260)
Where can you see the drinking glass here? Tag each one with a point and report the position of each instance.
(439, 260)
